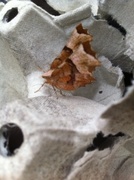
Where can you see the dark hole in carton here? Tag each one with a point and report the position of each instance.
(128, 77)
(13, 138)
(112, 22)
(10, 14)
(44, 5)
(128, 80)
(102, 142)
(4, 1)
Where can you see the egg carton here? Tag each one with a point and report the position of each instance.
(84, 134)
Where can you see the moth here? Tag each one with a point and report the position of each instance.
(74, 66)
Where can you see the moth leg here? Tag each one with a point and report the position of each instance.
(55, 92)
(40, 87)
(62, 93)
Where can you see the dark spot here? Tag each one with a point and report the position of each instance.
(67, 49)
(3, 1)
(5, 143)
(14, 137)
(128, 77)
(43, 4)
(119, 134)
(10, 14)
(102, 142)
(97, 17)
(112, 22)
(5, 134)
(100, 92)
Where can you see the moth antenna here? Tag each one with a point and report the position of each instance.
(40, 68)
(55, 91)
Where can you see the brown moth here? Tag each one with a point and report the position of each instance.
(74, 66)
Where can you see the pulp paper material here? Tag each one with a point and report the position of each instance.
(59, 127)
